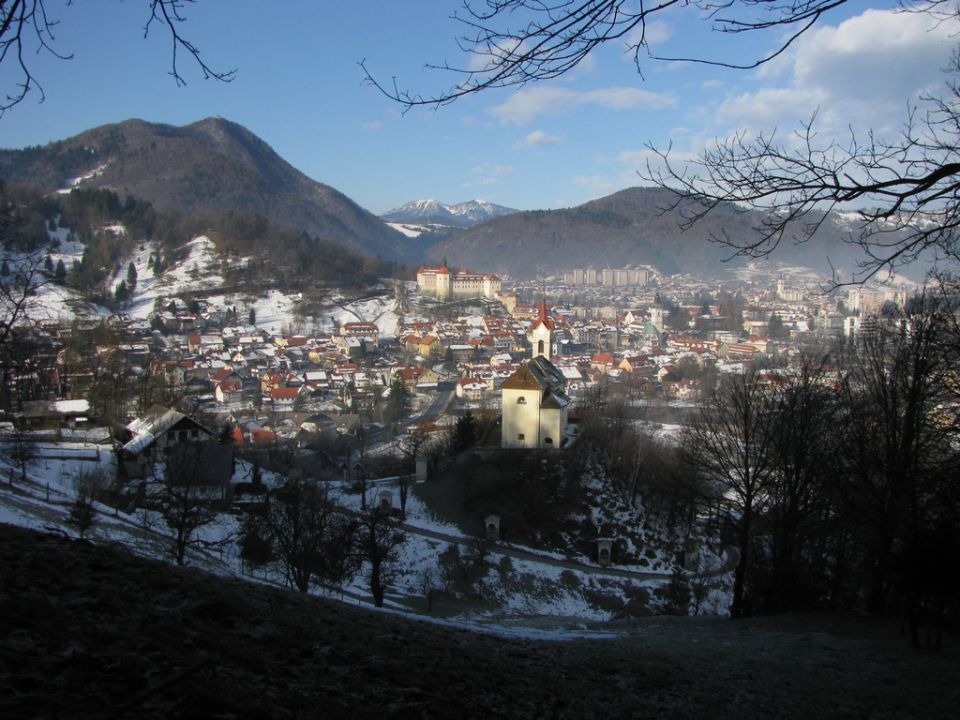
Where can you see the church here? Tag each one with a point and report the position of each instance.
(533, 401)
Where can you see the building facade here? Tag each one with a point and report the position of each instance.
(534, 402)
(443, 284)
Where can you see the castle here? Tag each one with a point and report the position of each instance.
(533, 400)
(440, 283)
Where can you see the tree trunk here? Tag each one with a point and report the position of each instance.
(739, 575)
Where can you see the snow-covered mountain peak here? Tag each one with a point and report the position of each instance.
(465, 214)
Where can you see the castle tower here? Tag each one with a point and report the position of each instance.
(541, 333)
(443, 282)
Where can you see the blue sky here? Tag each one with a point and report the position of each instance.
(556, 144)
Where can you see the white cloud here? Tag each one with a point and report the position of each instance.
(860, 73)
(597, 185)
(491, 169)
(488, 174)
(482, 62)
(373, 126)
(537, 138)
(653, 33)
(528, 103)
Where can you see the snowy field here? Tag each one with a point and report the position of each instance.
(517, 593)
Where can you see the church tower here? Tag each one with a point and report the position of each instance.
(656, 314)
(533, 401)
(541, 333)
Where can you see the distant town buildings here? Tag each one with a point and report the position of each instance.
(610, 277)
(441, 283)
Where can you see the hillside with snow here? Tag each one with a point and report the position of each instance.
(198, 274)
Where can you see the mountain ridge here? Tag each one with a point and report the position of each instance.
(434, 212)
(206, 166)
(635, 226)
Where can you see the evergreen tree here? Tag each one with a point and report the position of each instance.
(122, 293)
(465, 433)
(398, 402)
(131, 276)
(48, 264)
(60, 273)
(252, 317)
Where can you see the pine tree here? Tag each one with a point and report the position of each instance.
(398, 401)
(131, 276)
(465, 433)
(60, 274)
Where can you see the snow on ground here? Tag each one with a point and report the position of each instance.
(378, 310)
(199, 271)
(409, 229)
(274, 311)
(74, 183)
(520, 596)
(145, 292)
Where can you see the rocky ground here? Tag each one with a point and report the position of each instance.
(89, 631)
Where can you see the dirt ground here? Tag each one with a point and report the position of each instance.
(94, 632)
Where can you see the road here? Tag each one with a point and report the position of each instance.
(520, 554)
(445, 391)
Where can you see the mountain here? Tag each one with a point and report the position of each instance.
(433, 212)
(637, 226)
(208, 166)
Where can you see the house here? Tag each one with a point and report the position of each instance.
(365, 331)
(52, 415)
(471, 389)
(283, 398)
(417, 378)
(429, 345)
(534, 403)
(228, 391)
(154, 435)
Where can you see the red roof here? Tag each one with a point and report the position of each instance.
(542, 318)
(284, 393)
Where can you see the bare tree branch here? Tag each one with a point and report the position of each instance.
(515, 42)
(26, 28)
(906, 189)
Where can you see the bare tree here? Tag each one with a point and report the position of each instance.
(186, 500)
(900, 457)
(730, 444)
(377, 542)
(19, 450)
(312, 535)
(432, 585)
(28, 28)
(83, 512)
(21, 274)
(803, 417)
(905, 188)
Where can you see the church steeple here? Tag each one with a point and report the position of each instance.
(541, 333)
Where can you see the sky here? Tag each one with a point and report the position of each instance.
(300, 88)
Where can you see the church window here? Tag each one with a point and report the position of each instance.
(548, 441)
(540, 347)
(521, 437)
(521, 400)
